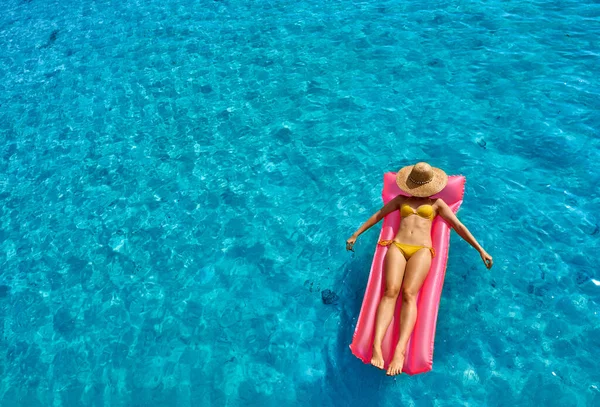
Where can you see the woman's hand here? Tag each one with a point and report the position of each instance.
(350, 242)
(487, 259)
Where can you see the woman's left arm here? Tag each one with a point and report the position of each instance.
(446, 213)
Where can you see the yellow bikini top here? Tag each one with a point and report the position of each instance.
(424, 211)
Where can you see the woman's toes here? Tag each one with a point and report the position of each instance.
(395, 368)
(378, 363)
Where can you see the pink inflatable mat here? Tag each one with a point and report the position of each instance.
(419, 351)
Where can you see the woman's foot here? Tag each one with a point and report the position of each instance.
(396, 364)
(377, 359)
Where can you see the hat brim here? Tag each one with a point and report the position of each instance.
(437, 183)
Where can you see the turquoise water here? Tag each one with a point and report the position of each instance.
(178, 180)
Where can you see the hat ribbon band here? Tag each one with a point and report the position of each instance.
(419, 182)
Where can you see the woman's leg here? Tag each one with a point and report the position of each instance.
(394, 266)
(416, 272)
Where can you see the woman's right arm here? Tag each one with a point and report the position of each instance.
(446, 213)
(388, 208)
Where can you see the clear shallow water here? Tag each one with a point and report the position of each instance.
(177, 182)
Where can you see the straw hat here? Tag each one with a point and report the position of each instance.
(421, 179)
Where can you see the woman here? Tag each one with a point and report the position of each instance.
(409, 255)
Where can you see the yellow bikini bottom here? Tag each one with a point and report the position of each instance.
(407, 249)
